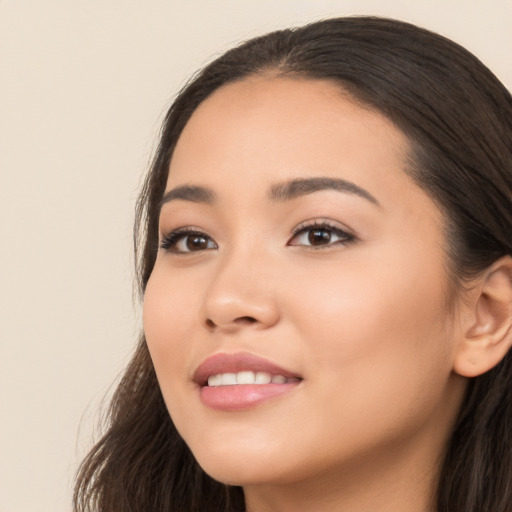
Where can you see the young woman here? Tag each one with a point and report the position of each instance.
(324, 246)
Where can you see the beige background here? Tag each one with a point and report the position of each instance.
(83, 88)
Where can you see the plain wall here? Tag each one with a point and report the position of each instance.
(83, 89)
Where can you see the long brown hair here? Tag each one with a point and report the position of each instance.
(458, 118)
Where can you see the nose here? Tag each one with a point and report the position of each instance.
(240, 296)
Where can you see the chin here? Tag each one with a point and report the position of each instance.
(239, 475)
(236, 471)
(233, 464)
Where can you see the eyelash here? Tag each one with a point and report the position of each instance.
(345, 237)
(170, 241)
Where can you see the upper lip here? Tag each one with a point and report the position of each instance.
(238, 362)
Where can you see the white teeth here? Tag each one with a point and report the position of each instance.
(215, 380)
(263, 378)
(228, 379)
(245, 377)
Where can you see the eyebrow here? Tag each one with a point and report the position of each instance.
(192, 193)
(285, 191)
(303, 186)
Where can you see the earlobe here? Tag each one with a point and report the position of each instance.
(487, 334)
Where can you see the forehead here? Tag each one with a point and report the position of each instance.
(269, 129)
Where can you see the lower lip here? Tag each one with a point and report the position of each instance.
(243, 396)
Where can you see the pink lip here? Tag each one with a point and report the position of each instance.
(239, 397)
(233, 363)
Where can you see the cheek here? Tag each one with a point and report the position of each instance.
(376, 326)
(378, 354)
(170, 303)
(169, 315)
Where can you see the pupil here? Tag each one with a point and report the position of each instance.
(319, 237)
(196, 243)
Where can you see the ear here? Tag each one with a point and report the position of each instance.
(487, 323)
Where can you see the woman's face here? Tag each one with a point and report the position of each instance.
(296, 250)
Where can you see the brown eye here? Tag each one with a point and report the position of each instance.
(196, 242)
(319, 236)
(187, 241)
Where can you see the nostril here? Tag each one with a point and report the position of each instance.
(245, 320)
(239, 321)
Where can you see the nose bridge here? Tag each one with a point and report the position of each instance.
(241, 291)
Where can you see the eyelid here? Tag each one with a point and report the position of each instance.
(167, 240)
(322, 222)
(343, 232)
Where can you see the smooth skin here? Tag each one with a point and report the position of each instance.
(363, 317)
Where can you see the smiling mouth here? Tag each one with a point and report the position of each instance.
(235, 382)
(242, 368)
(248, 378)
